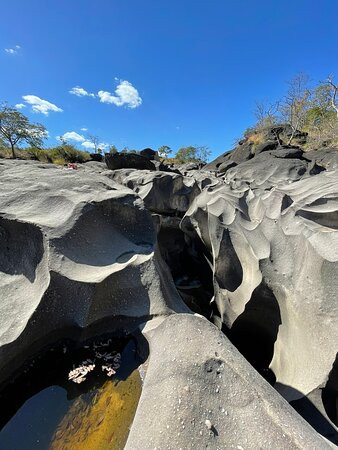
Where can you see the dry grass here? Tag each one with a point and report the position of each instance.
(5, 152)
(60, 161)
(256, 138)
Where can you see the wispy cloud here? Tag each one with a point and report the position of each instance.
(84, 129)
(80, 92)
(20, 105)
(125, 94)
(40, 106)
(90, 145)
(13, 50)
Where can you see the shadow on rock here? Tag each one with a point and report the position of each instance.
(255, 331)
(311, 412)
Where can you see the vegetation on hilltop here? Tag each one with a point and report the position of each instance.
(305, 107)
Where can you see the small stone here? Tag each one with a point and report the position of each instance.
(208, 424)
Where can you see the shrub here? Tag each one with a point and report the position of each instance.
(37, 154)
(60, 161)
(69, 153)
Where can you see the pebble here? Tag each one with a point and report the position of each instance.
(208, 424)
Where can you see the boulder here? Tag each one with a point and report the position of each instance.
(256, 142)
(199, 392)
(96, 157)
(128, 161)
(150, 154)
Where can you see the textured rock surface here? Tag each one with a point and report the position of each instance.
(75, 250)
(199, 392)
(271, 226)
(250, 241)
(274, 245)
(162, 192)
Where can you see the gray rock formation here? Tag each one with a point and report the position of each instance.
(162, 192)
(262, 228)
(75, 249)
(199, 392)
(271, 228)
(249, 241)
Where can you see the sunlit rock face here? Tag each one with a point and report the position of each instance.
(162, 192)
(249, 241)
(199, 392)
(76, 248)
(271, 227)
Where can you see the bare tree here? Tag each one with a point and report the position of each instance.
(62, 140)
(334, 90)
(95, 140)
(266, 114)
(203, 153)
(294, 107)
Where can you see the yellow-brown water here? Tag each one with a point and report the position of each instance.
(42, 409)
(103, 423)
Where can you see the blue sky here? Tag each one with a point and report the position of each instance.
(188, 72)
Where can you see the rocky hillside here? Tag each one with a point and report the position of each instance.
(230, 271)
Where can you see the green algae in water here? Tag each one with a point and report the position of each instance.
(95, 415)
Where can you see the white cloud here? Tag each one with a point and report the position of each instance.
(80, 92)
(84, 129)
(20, 105)
(39, 105)
(125, 94)
(13, 50)
(90, 145)
(73, 136)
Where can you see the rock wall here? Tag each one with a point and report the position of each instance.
(249, 241)
(274, 247)
(76, 248)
